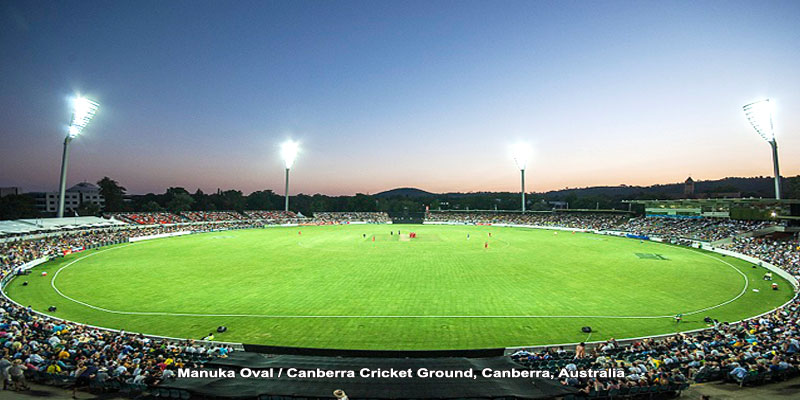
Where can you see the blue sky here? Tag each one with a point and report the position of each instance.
(388, 94)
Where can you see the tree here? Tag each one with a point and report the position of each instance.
(17, 206)
(179, 199)
(319, 203)
(113, 193)
(264, 200)
(231, 200)
(202, 201)
(792, 187)
(88, 209)
(363, 202)
(152, 206)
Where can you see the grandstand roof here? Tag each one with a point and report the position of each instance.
(21, 226)
(14, 227)
(84, 187)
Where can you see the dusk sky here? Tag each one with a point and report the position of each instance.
(385, 94)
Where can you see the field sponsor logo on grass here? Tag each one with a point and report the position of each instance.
(651, 256)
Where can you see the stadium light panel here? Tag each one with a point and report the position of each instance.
(83, 110)
(521, 153)
(759, 114)
(289, 150)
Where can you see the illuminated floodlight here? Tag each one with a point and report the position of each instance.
(289, 150)
(521, 153)
(759, 114)
(83, 110)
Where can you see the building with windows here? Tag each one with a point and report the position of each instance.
(84, 192)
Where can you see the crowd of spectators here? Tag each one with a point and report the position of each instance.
(165, 218)
(346, 217)
(15, 253)
(149, 218)
(702, 229)
(33, 346)
(275, 217)
(785, 252)
(209, 216)
(279, 216)
(598, 221)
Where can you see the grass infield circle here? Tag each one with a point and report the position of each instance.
(368, 287)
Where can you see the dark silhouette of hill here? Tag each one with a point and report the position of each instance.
(404, 192)
(745, 187)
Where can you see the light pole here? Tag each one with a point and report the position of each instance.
(759, 114)
(289, 150)
(83, 110)
(520, 153)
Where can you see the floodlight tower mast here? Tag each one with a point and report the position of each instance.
(759, 114)
(522, 178)
(520, 153)
(289, 150)
(286, 192)
(83, 111)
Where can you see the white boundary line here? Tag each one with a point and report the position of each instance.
(146, 313)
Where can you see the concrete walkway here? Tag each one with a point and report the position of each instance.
(716, 391)
(789, 389)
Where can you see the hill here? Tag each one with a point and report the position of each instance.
(746, 187)
(404, 192)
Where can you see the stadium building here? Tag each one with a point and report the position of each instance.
(74, 197)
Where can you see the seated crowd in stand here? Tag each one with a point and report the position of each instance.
(784, 253)
(271, 215)
(149, 218)
(278, 217)
(703, 229)
(339, 217)
(564, 220)
(207, 216)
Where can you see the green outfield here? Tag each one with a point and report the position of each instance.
(336, 287)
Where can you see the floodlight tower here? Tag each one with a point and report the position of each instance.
(83, 110)
(289, 150)
(520, 153)
(759, 114)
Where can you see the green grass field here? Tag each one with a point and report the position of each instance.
(331, 287)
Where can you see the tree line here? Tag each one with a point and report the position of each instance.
(177, 199)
